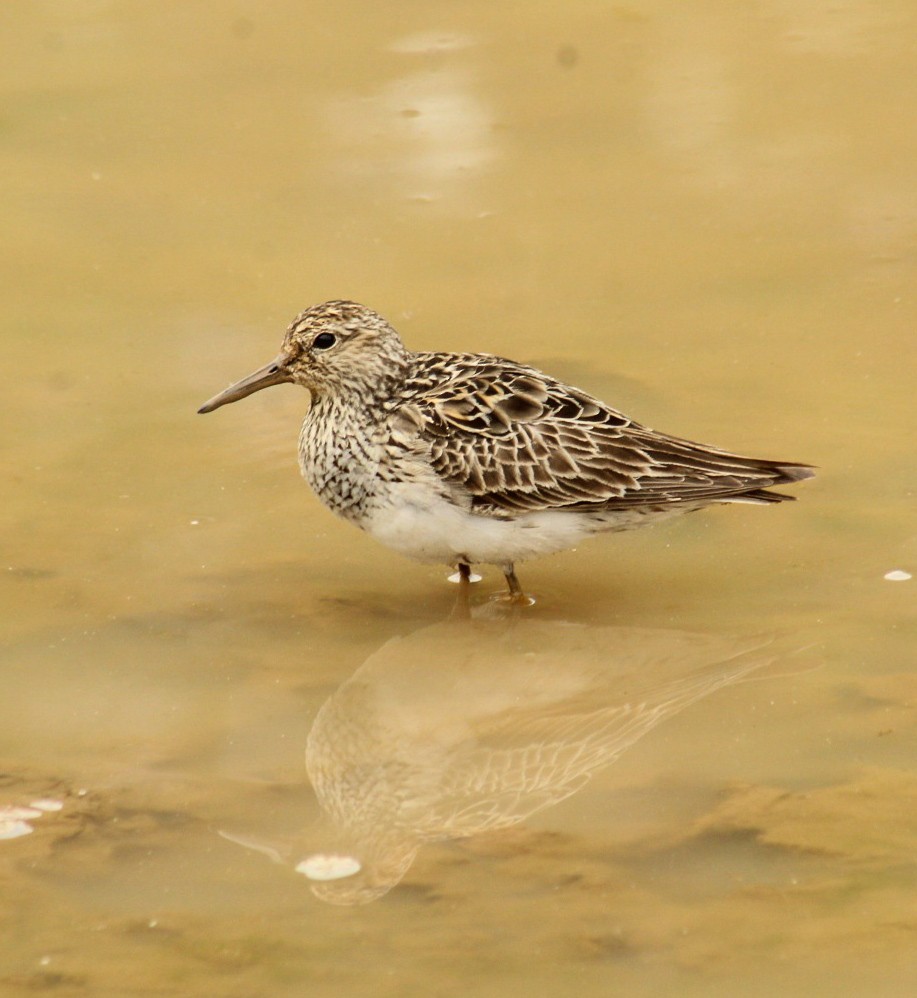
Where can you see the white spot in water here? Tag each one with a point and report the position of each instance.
(11, 813)
(457, 577)
(44, 961)
(897, 576)
(328, 866)
(14, 829)
(47, 804)
(194, 523)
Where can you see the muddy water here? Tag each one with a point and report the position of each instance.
(688, 769)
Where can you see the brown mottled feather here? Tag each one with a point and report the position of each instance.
(520, 441)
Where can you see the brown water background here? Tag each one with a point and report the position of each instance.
(705, 213)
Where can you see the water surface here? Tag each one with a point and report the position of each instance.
(689, 768)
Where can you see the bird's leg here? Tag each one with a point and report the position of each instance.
(515, 590)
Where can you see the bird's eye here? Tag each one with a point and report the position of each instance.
(324, 340)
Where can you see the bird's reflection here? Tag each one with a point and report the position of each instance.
(467, 727)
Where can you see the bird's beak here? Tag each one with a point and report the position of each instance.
(275, 373)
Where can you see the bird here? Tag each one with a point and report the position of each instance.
(468, 458)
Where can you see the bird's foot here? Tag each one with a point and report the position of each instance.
(514, 596)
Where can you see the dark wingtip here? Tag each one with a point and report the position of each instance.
(796, 472)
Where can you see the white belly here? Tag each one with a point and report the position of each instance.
(434, 530)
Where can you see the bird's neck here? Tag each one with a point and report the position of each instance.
(367, 397)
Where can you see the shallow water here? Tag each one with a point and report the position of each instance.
(689, 767)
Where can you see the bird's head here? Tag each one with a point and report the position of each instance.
(336, 348)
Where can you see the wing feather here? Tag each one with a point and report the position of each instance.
(516, 440)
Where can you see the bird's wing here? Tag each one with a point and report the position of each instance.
(517, 440)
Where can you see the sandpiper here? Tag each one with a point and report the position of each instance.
(463, 458)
